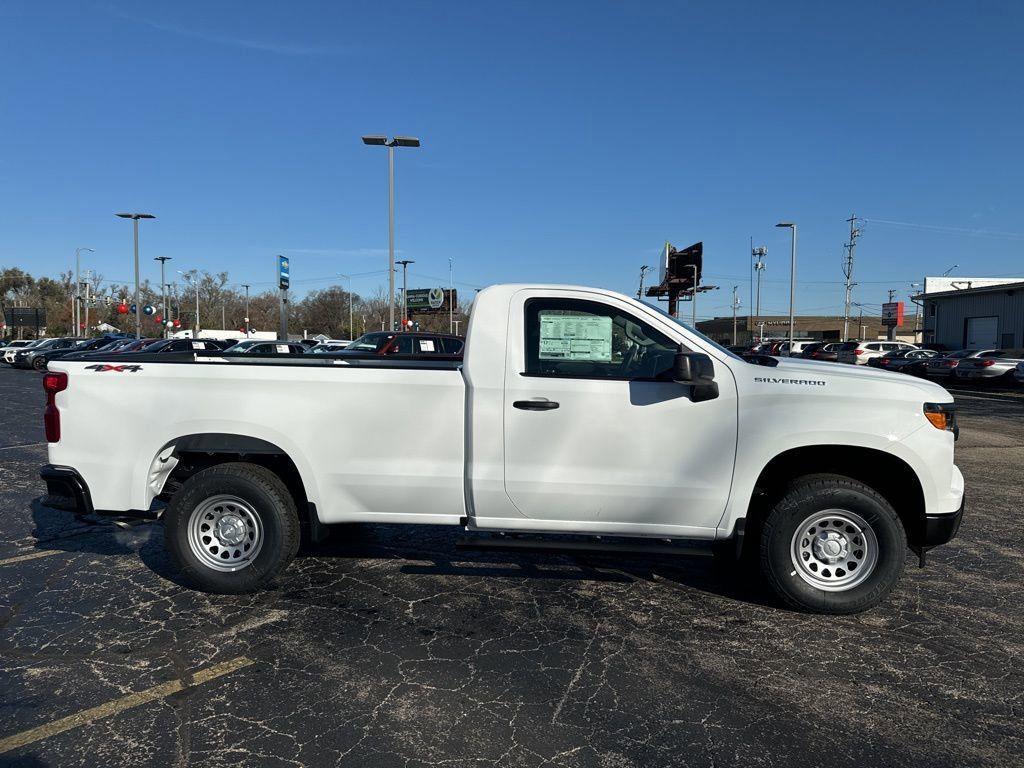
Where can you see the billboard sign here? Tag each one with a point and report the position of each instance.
(27, 317)
(892, 314)
(428, 300)
(283, 273)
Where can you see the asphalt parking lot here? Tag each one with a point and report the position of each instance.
(388, 647)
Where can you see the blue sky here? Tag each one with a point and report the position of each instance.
(562, 141)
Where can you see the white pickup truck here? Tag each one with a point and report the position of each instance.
(574, 411)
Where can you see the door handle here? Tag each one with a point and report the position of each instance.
(535, 405)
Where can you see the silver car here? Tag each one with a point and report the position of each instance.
(942, 367)
(989, 368)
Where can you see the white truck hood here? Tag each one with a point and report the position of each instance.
(794, 367)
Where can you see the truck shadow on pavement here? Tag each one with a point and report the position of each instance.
(419, 551)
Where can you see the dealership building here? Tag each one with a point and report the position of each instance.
(819, 328)
(973, 313)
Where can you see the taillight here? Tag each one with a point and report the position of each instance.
(53, 382)
(984, 363)
(858, 351)
(884, 361)
(950, 363)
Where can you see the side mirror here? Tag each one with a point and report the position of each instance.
(696, 370)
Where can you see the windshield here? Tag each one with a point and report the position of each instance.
(695, 332)
(370, 342)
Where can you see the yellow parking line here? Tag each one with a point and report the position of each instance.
(120, 705)
(32, 556)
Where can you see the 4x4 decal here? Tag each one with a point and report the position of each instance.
(100, 367)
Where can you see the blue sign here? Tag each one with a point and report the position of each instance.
(283, 274)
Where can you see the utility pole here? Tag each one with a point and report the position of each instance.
(451, 297)
(244, 285)
(163, 293)
(223, 320)
(78, 290)
(758, 255)
(405, 291)
(890, 330)
(88, 274)
(735, 306)
(640, 290)
(848, 272)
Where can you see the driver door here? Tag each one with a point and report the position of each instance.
(595, 430)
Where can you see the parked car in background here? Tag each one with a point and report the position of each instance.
(859, 352)
(798, 348)
(188, 345)
(13, 346)
(43, 356)
(257, 347)
(904, 360)
(35, 356)
(406, 343)
(827, 352)
(990, 368)
(114, 345)
(11, 353)
(942, 367)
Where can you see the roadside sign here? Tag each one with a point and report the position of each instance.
(429, 300)
(283, 273)
(892, 314)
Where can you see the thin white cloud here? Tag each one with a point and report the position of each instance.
(267, 46)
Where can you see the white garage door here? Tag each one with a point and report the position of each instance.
(982, 332)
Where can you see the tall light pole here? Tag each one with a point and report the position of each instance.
(246, 286)
(735, 306)
(396, 141)
(135, 225)
(792, 275)
(405, 290)
(78, 287)
(163, 294)
(758, 254)
(351, 333)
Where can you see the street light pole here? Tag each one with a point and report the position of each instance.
(163, 295)
(391, 143)
(405, 290)
(78, 287)
(451, 296)
(192, 279)
(759, 253)
(792, 275)
(244, 285)
(135, 226)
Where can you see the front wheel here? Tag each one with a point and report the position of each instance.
(832, 545)
(39, 364)
(232, 528)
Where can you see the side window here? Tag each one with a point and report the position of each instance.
(402, 346)
(587, 339)
(451, 346)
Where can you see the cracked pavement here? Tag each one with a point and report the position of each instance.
(387, 646)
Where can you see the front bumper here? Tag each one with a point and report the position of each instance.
(66, 490)
(940, 529)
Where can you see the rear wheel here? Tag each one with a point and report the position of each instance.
(39, 364)
(232, 528)
(832, 545)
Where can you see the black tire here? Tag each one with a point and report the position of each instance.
(39, 364)
(278, 520)
(814, 494)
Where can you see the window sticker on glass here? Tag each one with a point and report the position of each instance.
(575, 337)
(426, 345)
(198, 345)
(282, 348)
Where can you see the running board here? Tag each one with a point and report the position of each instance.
(519, 544)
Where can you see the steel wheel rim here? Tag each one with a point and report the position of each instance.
(225, 533)
(834, 550)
